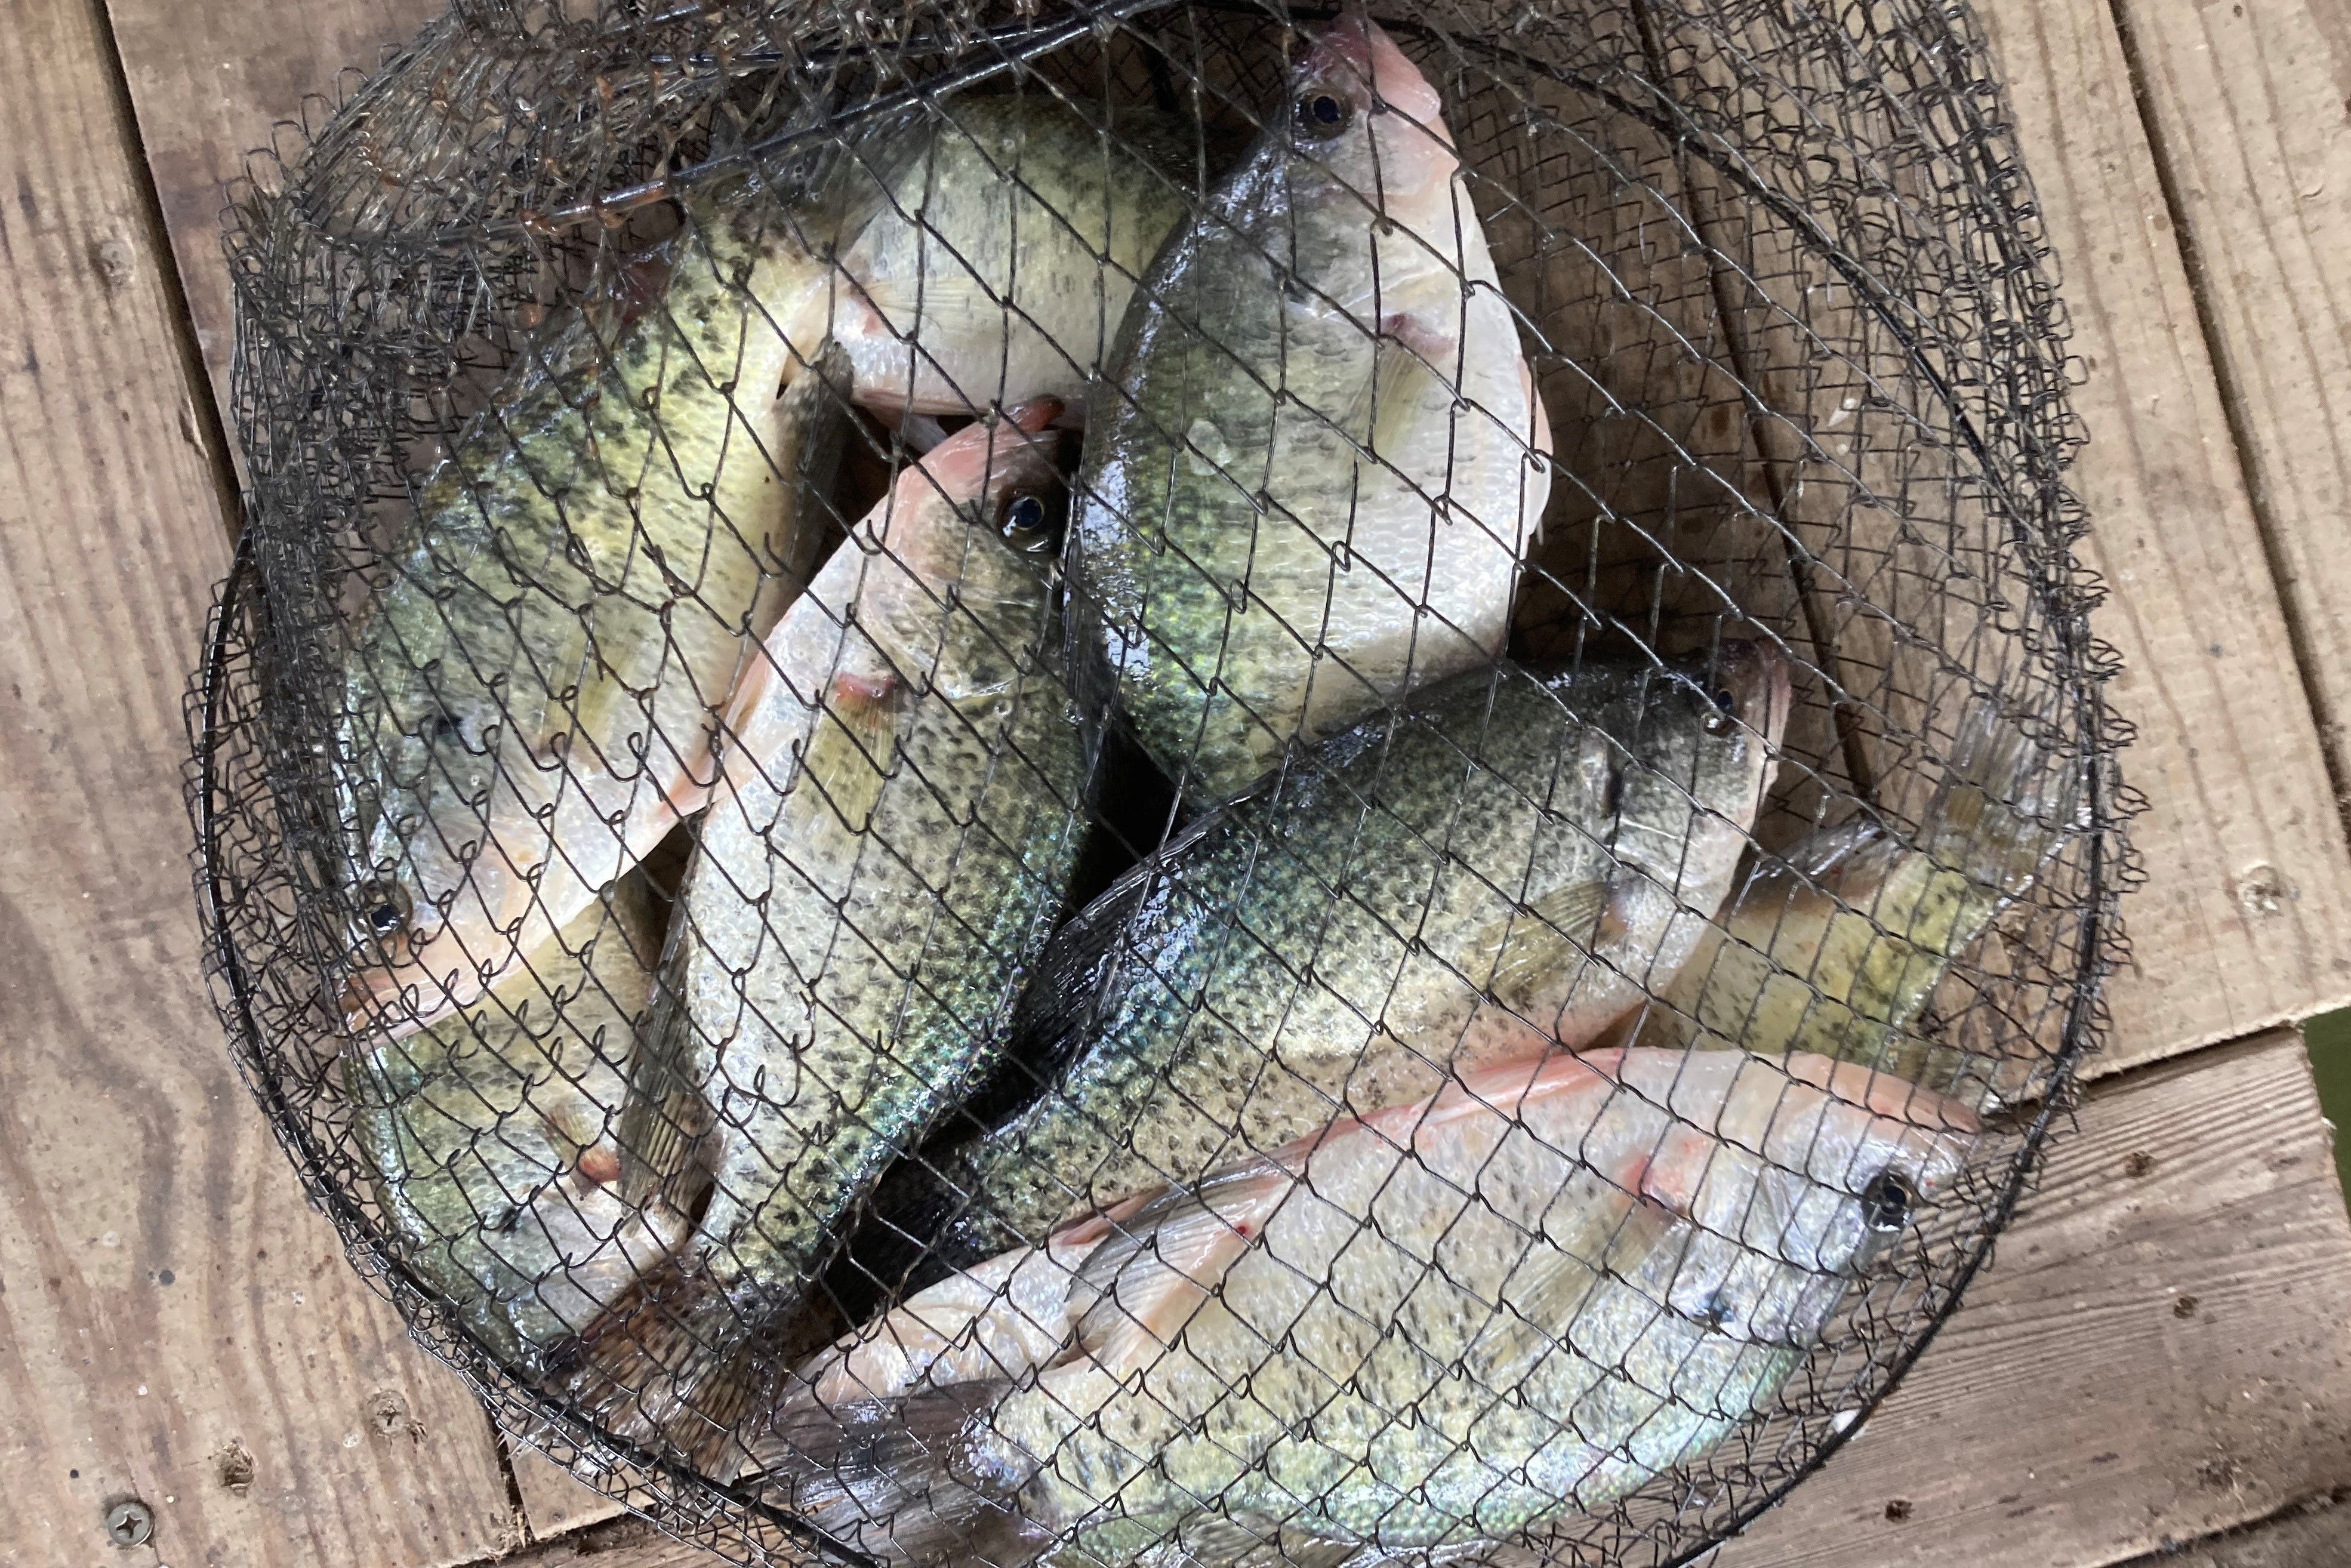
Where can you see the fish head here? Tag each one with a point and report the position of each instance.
(1361, 112)
(1692, 745)
(434, 908)
(1791, 1177)
(970, 537)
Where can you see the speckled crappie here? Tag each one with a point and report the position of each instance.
(903, 807)
(1309, 483)
(492, 1140)
(1446, 1323)
(532, 695)
(1512, 862)
(1836, 945)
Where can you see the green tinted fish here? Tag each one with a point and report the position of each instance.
(531, 696)
(492, 1140)
(1507, 865)
(1309, 483)
(904, 809)
(1446, 1323)
(1836, 946)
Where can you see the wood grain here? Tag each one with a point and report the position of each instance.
(209, 80)
(2317, 1535)
(2250, 107)
(552, 1502)
(173, 1323)
(2245, 921)
(2162, 1350)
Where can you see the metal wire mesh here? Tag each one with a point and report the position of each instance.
(1161, 782)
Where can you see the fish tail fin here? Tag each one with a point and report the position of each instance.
(903, 1479)
(672, 1368)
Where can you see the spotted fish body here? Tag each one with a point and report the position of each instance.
(1836, 946)
(531, 696)
(904, 806)
(1309, 483)
(492, 1140)
(1447, 1322)
(1508, 864)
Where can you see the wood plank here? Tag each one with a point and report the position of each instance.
(2252, 114)
(2245, 920)
(2162, 1349)
(173, 1323)
(552, 1502)
(209, 80)
(2316, 1536)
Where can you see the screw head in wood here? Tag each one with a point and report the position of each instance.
(130, 1523)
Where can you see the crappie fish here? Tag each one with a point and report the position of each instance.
(492, 1139)
(1310, 480)
(1836, 947)
(904, 808)
(1446, 1322)
(1509, 864)
(531, 698)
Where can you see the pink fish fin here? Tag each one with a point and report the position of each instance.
(1414, 367)
(1152, 1274)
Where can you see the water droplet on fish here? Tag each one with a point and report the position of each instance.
(1206, 450)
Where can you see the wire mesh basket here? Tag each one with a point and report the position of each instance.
(1163, 782)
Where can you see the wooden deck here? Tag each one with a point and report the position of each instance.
(2162, 1355)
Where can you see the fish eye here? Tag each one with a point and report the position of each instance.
(384, 907)
(1725, 717)
(1030, 527)
(1885, 1203)
(1321, 113)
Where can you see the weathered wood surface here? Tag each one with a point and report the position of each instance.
(209, 81)
(2245, 921)
(173, 1323)
(552, 1502)
(2250, 108)
(2317, 1537)
(2161, 1349)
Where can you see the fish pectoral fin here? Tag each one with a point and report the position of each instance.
(852, 745)
(1554, 934)
(892, 1465)
(1160, 1263)
(1408, 374)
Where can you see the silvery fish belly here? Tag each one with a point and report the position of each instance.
(1311, 475)
(492, 1140)
(1515, 861)
(1836, 945)
(1450, 1322)
(904, 806)
(531, 697)
(1006, 237)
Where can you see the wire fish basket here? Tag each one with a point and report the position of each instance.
(1175, 783)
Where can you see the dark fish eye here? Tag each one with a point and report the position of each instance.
(1725, 717)
(1028, 526)
(1321, 113)
(1885, 1203)
(384, 908)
